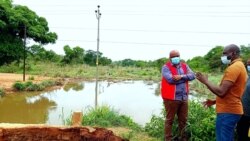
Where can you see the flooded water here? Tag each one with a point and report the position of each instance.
(137, 99)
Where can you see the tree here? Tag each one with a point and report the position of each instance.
(140, 63)
(90, 57)
(14, 21)
(245, 52)
(78, 53)
(213, 58)
(68, 54)
(128, 62)
(198, 63)
(9, 52)
(105, 61)
(160, 62)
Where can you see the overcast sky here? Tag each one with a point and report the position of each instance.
(146, 29)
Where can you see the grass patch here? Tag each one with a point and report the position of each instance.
(85, 71)
(106, 116)
(201, 88)
(2, 92)
(30, 86)
(121, 125)
(201, 124)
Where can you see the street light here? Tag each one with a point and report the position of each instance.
(98, 16)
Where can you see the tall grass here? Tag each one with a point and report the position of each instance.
(2, 93)
(107, 117)
(30, 86)
(201, 88)
(201, 124)
(84, 71)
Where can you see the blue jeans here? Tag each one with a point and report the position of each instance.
(225, 125)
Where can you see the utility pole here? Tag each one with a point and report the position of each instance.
(24, 52)
(98, 16)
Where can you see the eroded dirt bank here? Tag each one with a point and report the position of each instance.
(25, 132)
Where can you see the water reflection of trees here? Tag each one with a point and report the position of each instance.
(157, 89)
(73, 86)
(17, 109)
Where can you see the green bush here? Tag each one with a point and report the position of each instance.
(201, 122)
(200, 126)
(30, 86)
(27, 84)
(19, 86)
(35, 87)
(2, 93)
(48, 83)
(155, 127)
(31, 78)
(105, 116)
(10, 68)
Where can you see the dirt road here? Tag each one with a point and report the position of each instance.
(8, 79)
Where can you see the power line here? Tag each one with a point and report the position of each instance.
(143, 30)
(137, 43)
(175, 15)
(136, 5)
(162, 11)
(171, 13)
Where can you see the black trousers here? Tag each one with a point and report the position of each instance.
(243, 128)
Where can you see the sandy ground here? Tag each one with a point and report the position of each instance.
(8, 79)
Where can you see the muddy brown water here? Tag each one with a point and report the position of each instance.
(137, 99)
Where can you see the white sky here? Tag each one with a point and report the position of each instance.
(146, 29)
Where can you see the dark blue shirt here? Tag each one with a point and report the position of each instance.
(246, 99)
(180, 93)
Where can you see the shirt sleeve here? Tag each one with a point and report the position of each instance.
(231, 73)
(166, 73)
(190, 75)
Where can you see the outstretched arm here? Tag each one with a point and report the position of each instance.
(220, 90)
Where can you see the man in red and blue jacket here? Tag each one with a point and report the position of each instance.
(174, 91)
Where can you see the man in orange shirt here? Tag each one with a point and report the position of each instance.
(228, 93)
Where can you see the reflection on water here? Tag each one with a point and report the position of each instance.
(133, 98)
(25, 109)
(73, 86)
(137, 99)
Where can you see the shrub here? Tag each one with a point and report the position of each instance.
(31, 78)
(19, 86)
(48, 83)
(30, 86)
(35, 87)
(200, 126)
(105, 116)
(155, 127)
(27, 84)
(2, 93)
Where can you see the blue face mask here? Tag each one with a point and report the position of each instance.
(224, 60)
(248, 68)
(175, 60)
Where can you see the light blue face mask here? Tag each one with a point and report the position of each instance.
(224, 60)
(175, 60)
(248, 68)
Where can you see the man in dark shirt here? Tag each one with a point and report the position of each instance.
(174, 91)
(244, 123)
